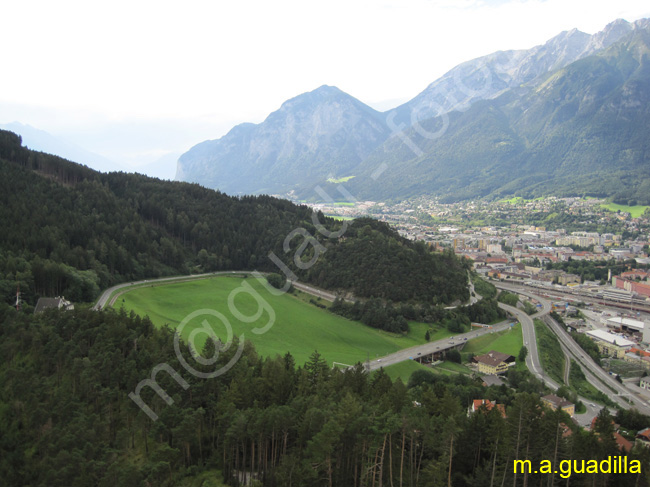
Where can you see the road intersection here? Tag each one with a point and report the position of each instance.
(594, 374)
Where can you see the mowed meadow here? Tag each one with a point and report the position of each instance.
(297, 326)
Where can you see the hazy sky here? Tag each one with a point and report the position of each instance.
(112, 75)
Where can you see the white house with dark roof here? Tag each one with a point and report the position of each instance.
(53, 303)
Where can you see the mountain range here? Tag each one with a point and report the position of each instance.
(566, 117)
(309, 139)
(42, 141)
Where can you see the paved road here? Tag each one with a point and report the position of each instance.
(446, 343)
(530, 340)
(599, 376)
(103, 300)
(328, 296)
(593, 372)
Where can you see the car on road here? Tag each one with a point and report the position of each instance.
(419, 353)
(378, 360)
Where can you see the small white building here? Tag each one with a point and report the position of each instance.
(626, 324)
(633, 326)
(53, 303)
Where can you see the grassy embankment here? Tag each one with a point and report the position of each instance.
(550, 352)
(553, 362)
(585, 389)
(509, 341)
(299, 327)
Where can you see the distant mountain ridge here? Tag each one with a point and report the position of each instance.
(326, 133)
(489, 76)
(313, 136)
(42, 141)
(581, 130)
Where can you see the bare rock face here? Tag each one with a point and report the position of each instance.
(514, 116)
(321, 134)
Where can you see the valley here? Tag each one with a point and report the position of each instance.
(333, 293)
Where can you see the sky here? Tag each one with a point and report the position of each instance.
(139, 80)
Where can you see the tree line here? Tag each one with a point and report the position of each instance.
(69, 230)
(67, 419)
(394, 317)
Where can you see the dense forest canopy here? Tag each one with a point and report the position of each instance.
(68, 230)
(67, 420)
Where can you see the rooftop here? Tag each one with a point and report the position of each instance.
(52, 303)
(610, 338)
(639, 325)
(557, 401)
(494, 358)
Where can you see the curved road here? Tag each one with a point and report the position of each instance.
(593, 372)
(528, 330)
(103, 300)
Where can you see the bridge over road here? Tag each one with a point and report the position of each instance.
(433, 348)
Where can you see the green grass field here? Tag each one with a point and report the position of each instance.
(509, 341)
(513, 201)
(403, 370)
(339, 180)
(634, 211)
(298, 327)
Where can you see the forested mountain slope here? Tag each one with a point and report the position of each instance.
(569, 117)
(68, 230)
(582, 130)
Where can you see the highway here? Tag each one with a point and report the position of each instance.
(109, 296)
(593, 372)
(446, 343)
(530, 341)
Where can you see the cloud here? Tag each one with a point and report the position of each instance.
(226, 62)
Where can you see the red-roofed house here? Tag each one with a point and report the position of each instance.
(638, 351)
(623, 444)
(486, 405)
(643, 438)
